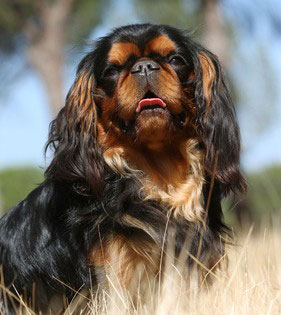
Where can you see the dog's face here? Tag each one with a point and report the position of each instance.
(143, 77)
(148, 88)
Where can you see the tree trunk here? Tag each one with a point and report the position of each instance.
(46, 48)
(215, 36)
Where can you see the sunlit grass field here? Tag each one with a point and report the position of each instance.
(251, 284)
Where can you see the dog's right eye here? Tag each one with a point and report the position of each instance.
(110, 72)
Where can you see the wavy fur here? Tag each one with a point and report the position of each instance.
(121, 182)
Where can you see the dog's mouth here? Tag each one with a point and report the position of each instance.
(150, 102)
(152, 106)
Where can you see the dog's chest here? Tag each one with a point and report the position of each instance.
(125, 263)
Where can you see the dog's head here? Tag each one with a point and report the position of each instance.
(146, 90)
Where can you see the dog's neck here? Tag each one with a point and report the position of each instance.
(165, 167)
(174, 177)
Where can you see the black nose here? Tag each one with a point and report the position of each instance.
(145, 67)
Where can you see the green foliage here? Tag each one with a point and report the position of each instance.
(15, 15)
(264, 195)
(85, 15)
(261, 205)
(178, 13)
(16, 183)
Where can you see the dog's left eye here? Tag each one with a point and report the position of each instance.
(177, 60)
(110, 72)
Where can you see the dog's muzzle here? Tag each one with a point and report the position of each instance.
(145, 72)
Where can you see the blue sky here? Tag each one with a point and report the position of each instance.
(24, 113)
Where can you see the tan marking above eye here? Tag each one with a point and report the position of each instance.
(161, 45)
(121, 51)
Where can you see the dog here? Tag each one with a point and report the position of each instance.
(147, 143)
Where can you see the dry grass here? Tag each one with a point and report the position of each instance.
(252, 285)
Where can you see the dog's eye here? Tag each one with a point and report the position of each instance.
(177, 61)
(110, 72)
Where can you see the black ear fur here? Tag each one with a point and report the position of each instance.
(73, 136)
(217, 124)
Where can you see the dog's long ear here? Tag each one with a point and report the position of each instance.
(73, 135)
(217, 124)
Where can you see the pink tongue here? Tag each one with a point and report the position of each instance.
(150, 102)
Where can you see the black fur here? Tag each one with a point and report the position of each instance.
(47, 237)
